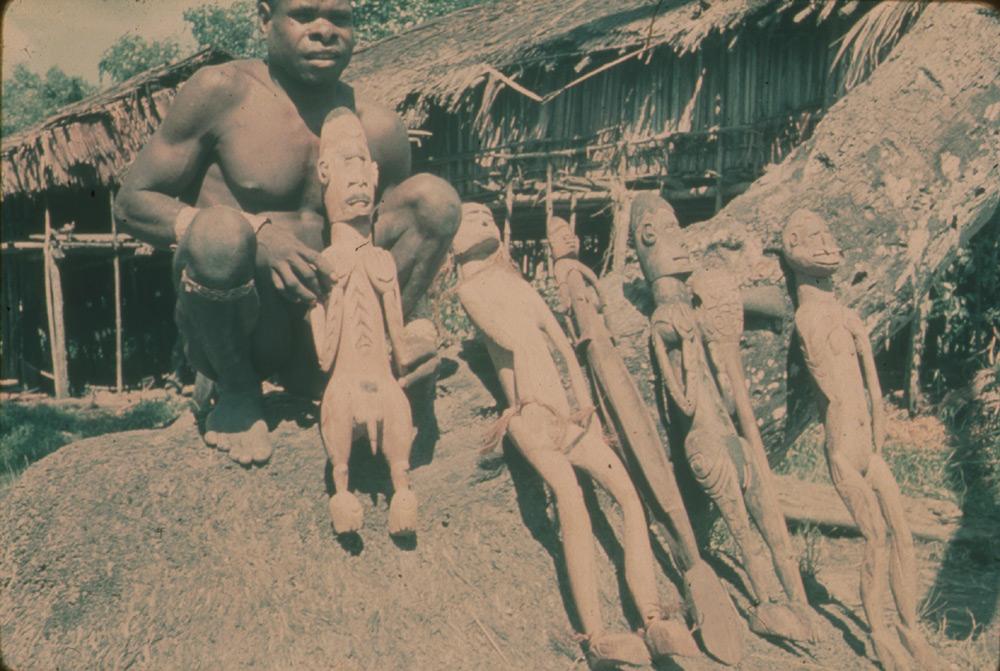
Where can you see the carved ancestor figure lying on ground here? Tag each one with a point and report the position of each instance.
(518, 327)
(363, 395)
(839, 357)
(722, 461)
(578, 291)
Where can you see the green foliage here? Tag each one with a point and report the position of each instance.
(233, 29)
(30, 432)
(964, 318)
(375, 19)
(132, 54)
(29, 98)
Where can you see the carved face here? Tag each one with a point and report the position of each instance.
(718, 302)
(809, 246)
(478, 235)
(657, 239)
(562, 240)
(346, 169)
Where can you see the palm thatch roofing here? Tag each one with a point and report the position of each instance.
(438, 62)
(91, 141)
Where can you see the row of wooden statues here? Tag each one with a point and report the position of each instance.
(695, 333)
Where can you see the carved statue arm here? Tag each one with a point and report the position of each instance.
(576, 377)
(325, 320)
(864, 347)
(722, 375)
(382, 272)
(671, 380)
(591, 278)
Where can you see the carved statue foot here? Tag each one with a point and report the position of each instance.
(403, 513)
(808, 617)
(915, 643)
(670, 637)
(889, 652)
(236, 425)
(346, 513)
(775, 619)
(714, 614)
(610, 650)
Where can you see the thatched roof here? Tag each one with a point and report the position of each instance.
(91, 141)
(439, 61)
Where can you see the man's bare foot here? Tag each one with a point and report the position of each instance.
(236, 425)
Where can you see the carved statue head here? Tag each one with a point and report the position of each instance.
(346, 169)
(657, 238)
(562, 239)
(718, 304)
(478, 235)
(809, 246)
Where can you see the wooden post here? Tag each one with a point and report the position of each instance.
(11, 320)
(572, 211)
(718, 152)
(116, 264)
(54, 309)
(620, 207)
(509, 218)
(918, 332)
(549, 213)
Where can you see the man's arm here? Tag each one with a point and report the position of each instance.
(147, 204)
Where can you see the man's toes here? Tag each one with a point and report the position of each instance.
(260, 443)
(240, 452)
(211, 438)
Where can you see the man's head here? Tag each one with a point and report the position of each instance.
(345, 167)
(809, 246)
(478, 235)
(310, 40)
(562, 240)
(657, 238)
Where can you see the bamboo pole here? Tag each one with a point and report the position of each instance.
(54, 310)
(116, 264)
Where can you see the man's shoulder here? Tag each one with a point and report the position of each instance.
(378, 119)
(226, 82)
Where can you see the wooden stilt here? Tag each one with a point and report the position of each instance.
(54, 309)
(509, 217)
(549, 213)
(620, 206)
(918, 332)
(11, 321)
(116, 264)
(718, 153)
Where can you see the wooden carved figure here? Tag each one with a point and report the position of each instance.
(719, 312)
(518, 327)
(363, 395)
(715, 452)
(839, 357)
(579, 295)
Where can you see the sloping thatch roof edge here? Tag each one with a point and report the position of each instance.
(439, 62)
(91, 141)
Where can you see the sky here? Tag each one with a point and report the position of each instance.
(74, 33)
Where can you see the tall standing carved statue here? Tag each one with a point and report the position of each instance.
(363, 394)
(839, 357)
(518, 327)
(578, 291)
(720, 459)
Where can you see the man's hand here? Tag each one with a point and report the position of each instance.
(294, 266)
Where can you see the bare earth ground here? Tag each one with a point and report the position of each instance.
(149, 550)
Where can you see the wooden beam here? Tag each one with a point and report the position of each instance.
(54, 308)
(116, 264)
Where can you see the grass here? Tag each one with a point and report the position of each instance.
(29, 432)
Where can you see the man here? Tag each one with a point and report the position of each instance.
(230, 177)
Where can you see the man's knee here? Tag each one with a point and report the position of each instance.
(220, 248)
(434, 203)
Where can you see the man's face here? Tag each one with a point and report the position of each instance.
(311, 40)
(347, 170)
(809, 246)
(562, 240)
(659, 246)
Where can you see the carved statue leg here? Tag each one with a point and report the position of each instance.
(765, 511)
(902, 563)
(337, 431)
(397, 440)
(217, 311)
(860, 500)
(529, 430)
(416, 222)
(666, 633)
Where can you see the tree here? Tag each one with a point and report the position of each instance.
(375, 19)
(132, 54)
(233, 29)
(28, 97)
